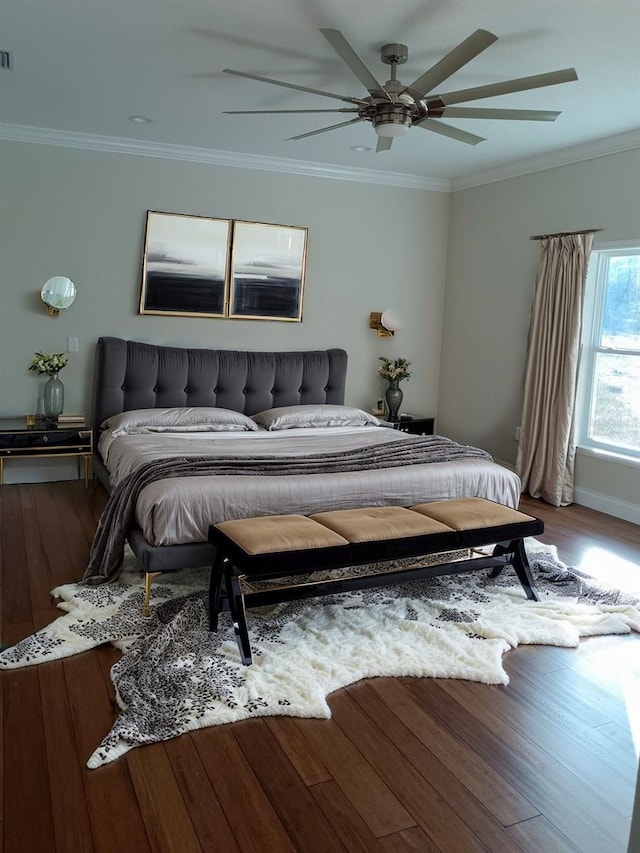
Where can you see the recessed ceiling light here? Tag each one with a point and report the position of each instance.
(140, 119)
(360, 148)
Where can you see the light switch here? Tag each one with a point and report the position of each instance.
(72, 345)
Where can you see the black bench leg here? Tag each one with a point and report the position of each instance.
(238, 613)
(500, 550)
(521, 565)
(215, 587)
(517, 557)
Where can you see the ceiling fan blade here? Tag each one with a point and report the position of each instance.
(281, 112)
(292, 86)
(324, 129)
(537, 81)
(351, 59)
(515, 115)
(437, 126)
(452, 62)
(384, 143)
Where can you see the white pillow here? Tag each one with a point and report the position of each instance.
(187, 419)
(320, 415)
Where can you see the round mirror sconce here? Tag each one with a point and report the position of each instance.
(58, 294)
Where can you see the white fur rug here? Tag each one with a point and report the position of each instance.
(174, 676)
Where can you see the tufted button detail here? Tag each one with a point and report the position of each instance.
(244, 391)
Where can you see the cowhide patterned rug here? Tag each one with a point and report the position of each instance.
(174, 676)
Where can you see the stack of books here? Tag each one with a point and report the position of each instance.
(71, 419)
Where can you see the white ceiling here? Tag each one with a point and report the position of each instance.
(85, 66)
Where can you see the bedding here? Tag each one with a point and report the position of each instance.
(201, 479)
(171, 515)
(166, 521)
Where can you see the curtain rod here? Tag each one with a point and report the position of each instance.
(565, 233)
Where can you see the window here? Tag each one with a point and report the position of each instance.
(610, 372)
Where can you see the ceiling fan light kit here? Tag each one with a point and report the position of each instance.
(392, 122)
(393, 108)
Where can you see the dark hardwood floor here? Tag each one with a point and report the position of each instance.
(546, 764)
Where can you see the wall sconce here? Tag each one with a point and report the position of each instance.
(385, 323)
(58, 294)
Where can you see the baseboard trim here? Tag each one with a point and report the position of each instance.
(35, 471)
(610, 506)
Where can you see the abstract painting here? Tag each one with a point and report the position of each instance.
(267, 271)
(185, 267)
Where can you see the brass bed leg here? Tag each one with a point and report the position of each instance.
(149, 576)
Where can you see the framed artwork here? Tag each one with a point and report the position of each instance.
(185, 266)
(267, 271)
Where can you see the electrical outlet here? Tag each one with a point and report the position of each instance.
(72, 345)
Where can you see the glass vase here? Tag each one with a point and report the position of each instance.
(393, 396)
(40, 415)
(53, 397)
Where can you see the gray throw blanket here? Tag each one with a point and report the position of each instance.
(107, 550)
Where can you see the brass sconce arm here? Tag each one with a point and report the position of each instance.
(384, 322)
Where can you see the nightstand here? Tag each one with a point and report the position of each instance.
(414, 426)
(45, 439)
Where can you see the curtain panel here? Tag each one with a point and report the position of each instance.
(546, 453)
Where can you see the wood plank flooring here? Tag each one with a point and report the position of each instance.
(546, 764)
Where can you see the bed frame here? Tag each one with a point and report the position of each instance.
(135, 375)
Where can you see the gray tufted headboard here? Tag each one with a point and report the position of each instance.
(135, 375)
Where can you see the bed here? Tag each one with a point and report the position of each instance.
(140, 383)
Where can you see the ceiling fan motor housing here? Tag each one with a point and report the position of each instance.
(392, 120)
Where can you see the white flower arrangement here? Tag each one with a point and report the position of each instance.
(49, 363)
(395, 370)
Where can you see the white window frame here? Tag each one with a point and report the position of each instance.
(591, 333)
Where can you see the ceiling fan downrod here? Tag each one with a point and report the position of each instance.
(394, 119)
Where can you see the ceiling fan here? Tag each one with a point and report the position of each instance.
(393, 108)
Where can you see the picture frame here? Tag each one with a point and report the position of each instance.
(268, 266)
(185, 269)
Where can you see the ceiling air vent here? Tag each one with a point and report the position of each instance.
(5, 60)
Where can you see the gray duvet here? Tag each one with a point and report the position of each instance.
(180, 509)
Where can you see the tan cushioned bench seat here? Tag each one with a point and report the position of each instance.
(280, 545)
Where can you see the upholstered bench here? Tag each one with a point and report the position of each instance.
(270, 548)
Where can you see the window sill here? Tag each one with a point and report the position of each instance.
(609, 456)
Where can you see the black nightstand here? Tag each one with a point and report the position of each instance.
(19, 441)
(414, 426)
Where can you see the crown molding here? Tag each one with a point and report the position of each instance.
(560, 157)
(186, 153)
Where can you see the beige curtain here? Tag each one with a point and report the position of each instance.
(546, 453)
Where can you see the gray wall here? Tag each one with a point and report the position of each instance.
(82, 214)
(490, 280)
